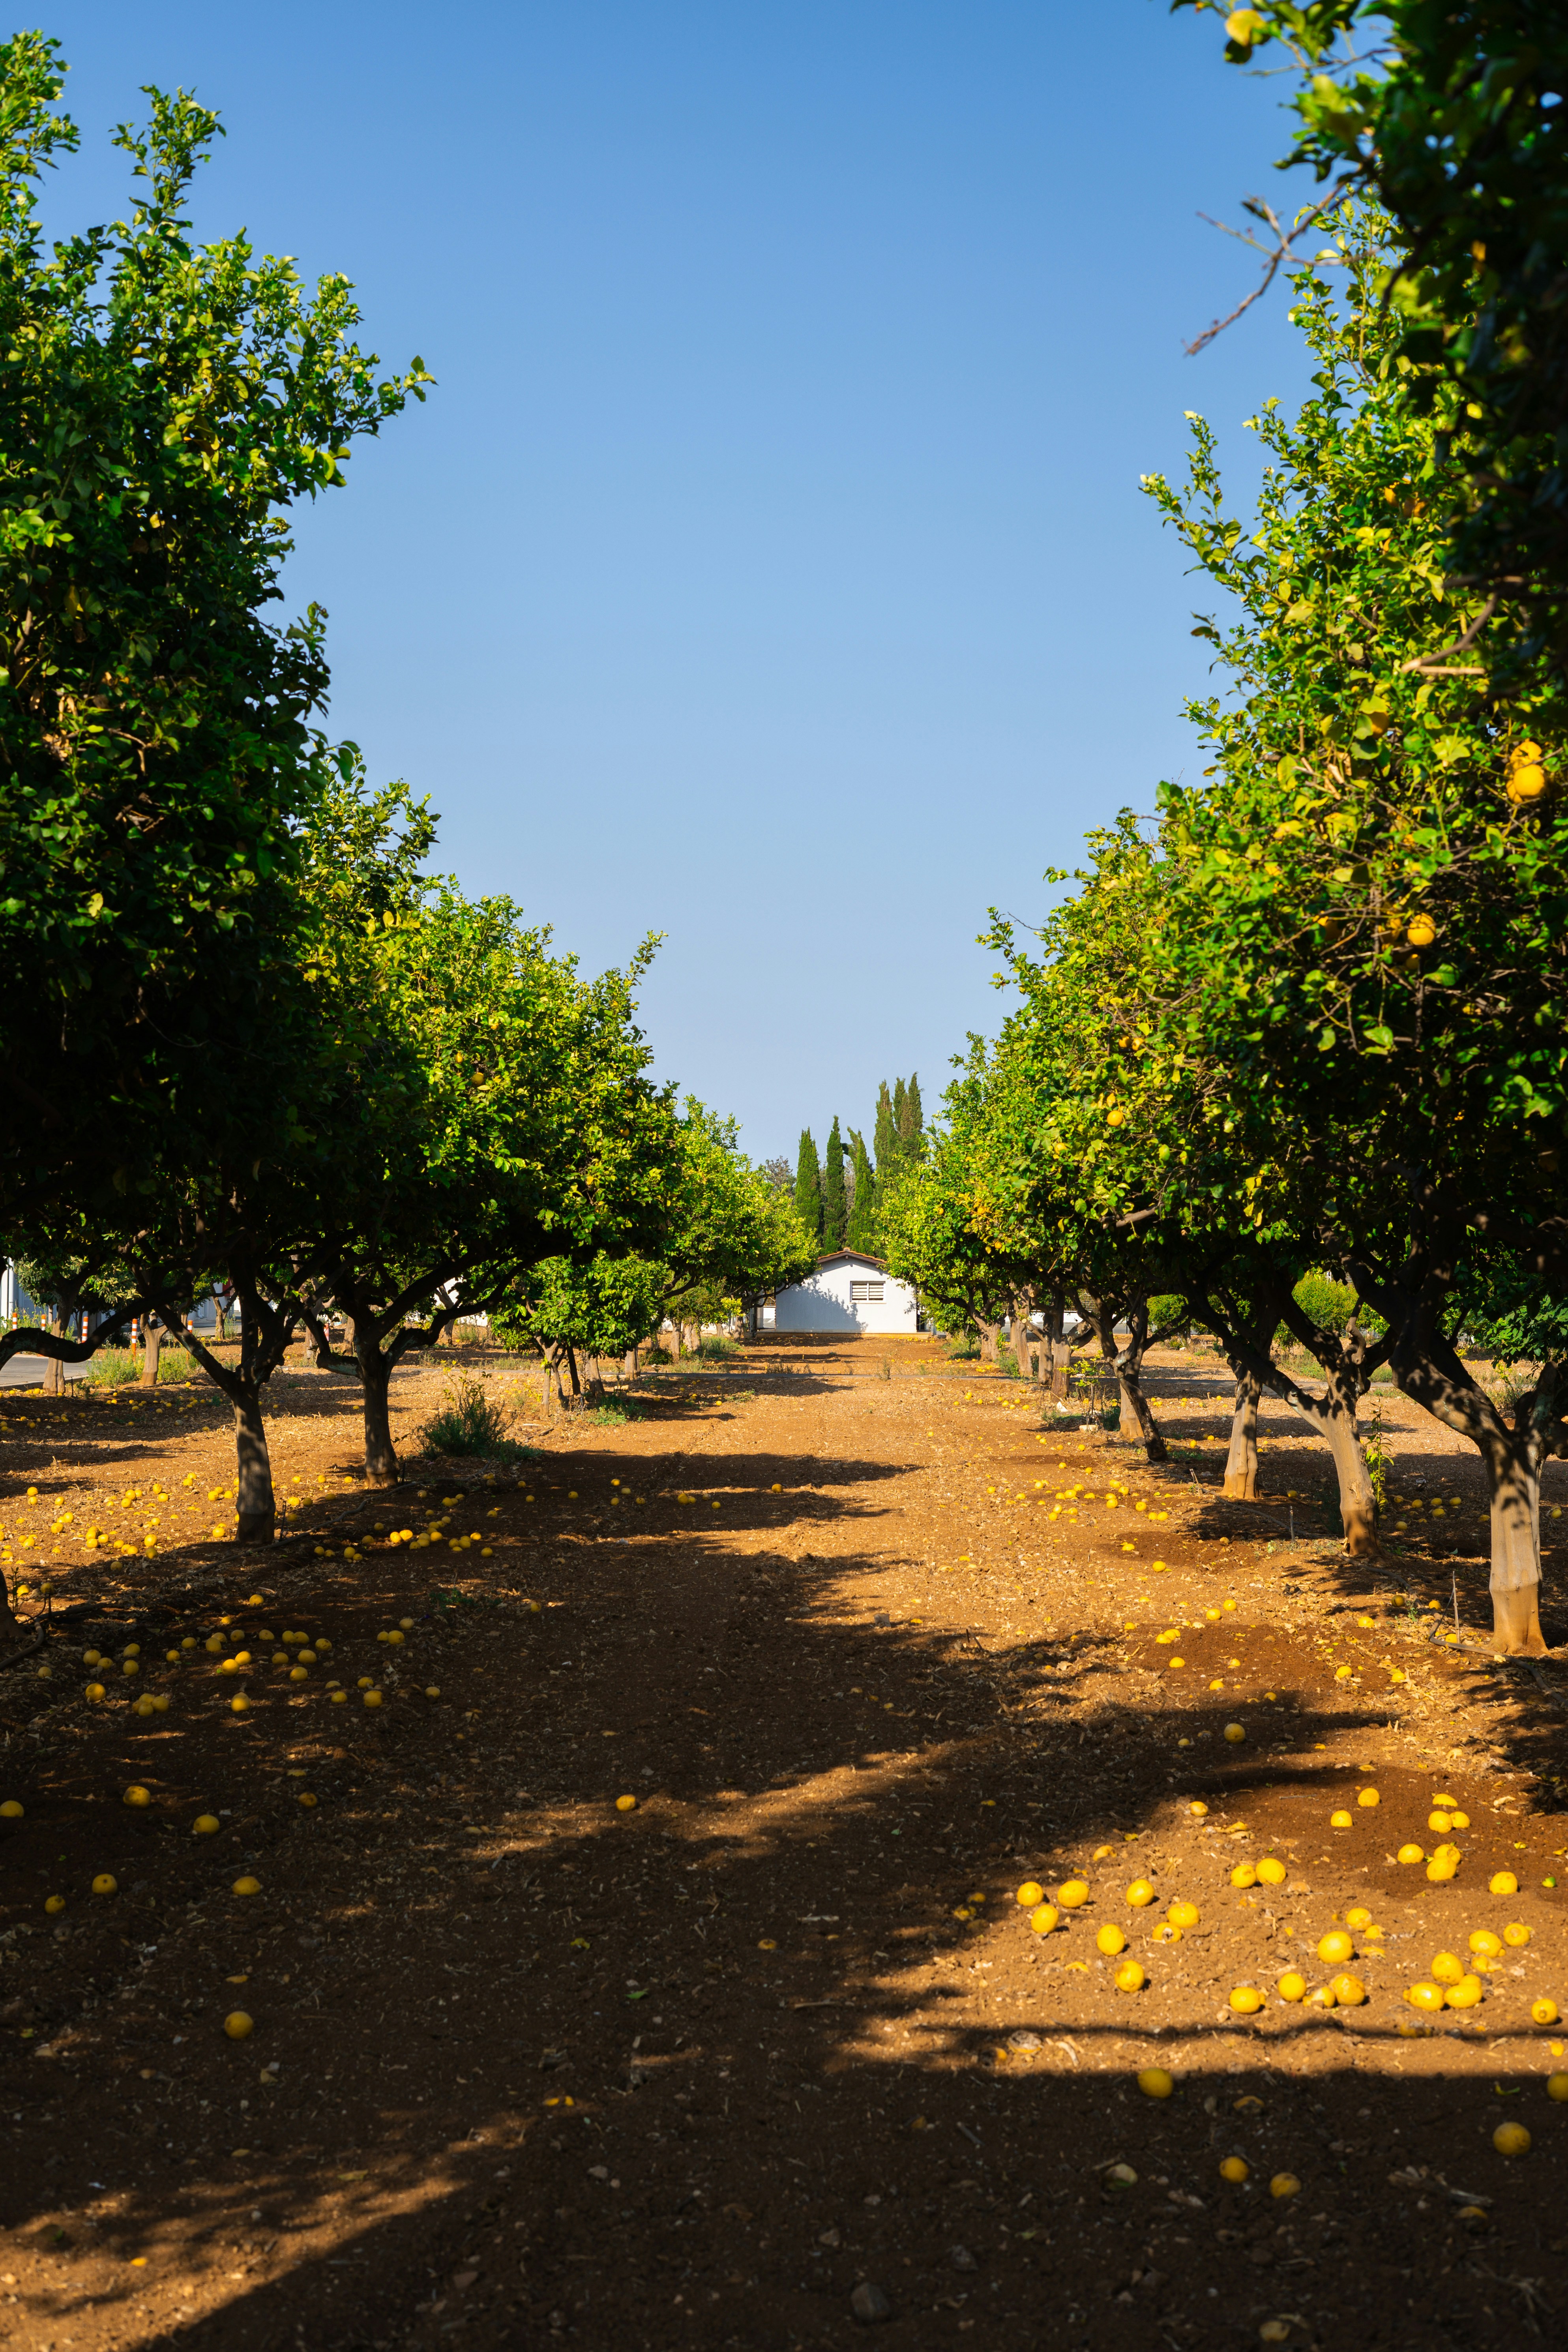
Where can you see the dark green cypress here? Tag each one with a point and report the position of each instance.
(833, 1216)
(808, 1184)
(886, 1135)
(862, 1234)
(911, 1121)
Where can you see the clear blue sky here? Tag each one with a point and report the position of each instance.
(769, 567)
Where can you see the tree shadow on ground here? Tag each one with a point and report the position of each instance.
(680, 2073)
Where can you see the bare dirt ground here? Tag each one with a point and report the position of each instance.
(772, 2054)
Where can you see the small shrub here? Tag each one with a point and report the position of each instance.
(713, 1347)
(965, 1349)
(114, 1367)
(470, 1422)
(611, 1416)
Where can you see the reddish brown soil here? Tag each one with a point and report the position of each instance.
(527, 2068)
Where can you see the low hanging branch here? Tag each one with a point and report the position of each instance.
(1274, 256)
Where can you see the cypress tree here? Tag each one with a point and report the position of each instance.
(912, 1120)
(886, 1134)
(833, 1217)
(808, 1185)
(862, 1234)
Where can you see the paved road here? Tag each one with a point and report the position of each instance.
(28, 1372)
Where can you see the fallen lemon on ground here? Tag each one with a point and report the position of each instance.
(1543, 2011)
(1244, 1874)
(1502, 1882)
(247, 1886)
(1235, 1733)
(137, 1795)
(1348, 1990)
(1272, 1871)
(105, 1884)
(1110, 1940)
(1412, 1854)
(1139, 1893)
(1341, 1820)
(1284, 2184)
(1184, 1914)
(1426, 1996)
(1029, 1894)
(1367, 1797)
(1516, 1935)
(1129, 1977)
(624, 1804)
(1466, 1993)
(1557, 2087)
(1512, 2139)
(58, 1902)
(1246, 1999)
(1334, 1946)
(1447, 1968)
(1233, 2169)
(206, 1823)
(236, 2024)
(1073, 1895)
(1155, 2083)
(1292, 1985)
(1044, 1919)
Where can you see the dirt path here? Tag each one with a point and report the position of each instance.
(773, 2052)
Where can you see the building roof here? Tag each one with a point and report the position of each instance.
(856, 1257)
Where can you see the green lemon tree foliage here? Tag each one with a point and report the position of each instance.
(928, 1232)
(163, 405)
(1452, 114)
(1365, 949)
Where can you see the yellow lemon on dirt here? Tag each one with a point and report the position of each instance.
(94, 1691)
(1235, 1733)
(1422, 931)
(236, 2024)
(1073, 1895)
(105, 1884)
(1359, 1917)
(1502, 1882)
(1322, 1996)
(240, 1703)
(1233, 2169)
(1184, 1914)
(1292, 1985)
(1483, 1942)
(339, 1697)
(624, 1804)
(1244, 1874)
(432, 1690)
(247, 1886)
(58, 1902)
(1334, 1946)
(1349, 1991)
(1155, 2083)
(1439, 1821)
(1029, 1894)
(1442, 1867)
(11, 1810)
(1447, 1968)
(1139, 1893)
(1368, 1797)
(1412, 1854)
(1557, 2087)
(373, 1698)
(1512, 2139)
(1284, 2184)
(1197, 1809)
(1272, 1871)
(137, 1795)
(1044, 1917)
(306, 1799)
(1110, 1940)
(1458, 1821)
(1426, 1996)
(1517, 1934)
(206, 1823)
(1167, 1934)
(1543, 2011)
(1338, 1820)
(1245, 2000)
(1129, 1977)
(1466, 1993)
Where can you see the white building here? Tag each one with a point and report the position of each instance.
(849, 1293)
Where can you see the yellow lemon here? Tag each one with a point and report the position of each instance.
(1543, 2011)
(1359, 1917)
(1334, 1946)
(1557, 2087)
(373, 1698)
(1044, 1917)
(1197, 1809)
(1235, 1733)
(1426, 1996)
(1292, 1985)
(58, 1902)
(1155, 2083)
(1422, 931)
(137, 1795)
(1338, 1820)
(1284, 2184)
(1458, 1821)
(1349, 1991)
(240, 1703)
(1167, 1934)
(95, 1691)
(1447, 1969)
(1486, 1943)
(105, 1884)
(1073, 1895)
(1322, 1996)
(1512, 2139)
(1129, 1977)
(1139, 1893)
(1245, 1999)
(1029, 1894)
(1466, 1993)
(624, 1804)
(1527, 783)
(206, 1823)
(1244, 1874)
(1443, 1866)
(1412, 1854)
(1438, 1822)
(339, 1697)
(1110, 1940)
(247, 1886)
(1517, 1934)
(236, 2025)
(1368, 1797)
(11, 1810)
(1272, 1871)
(1184, 1914)
(1502, 1882)
(1233, 2169)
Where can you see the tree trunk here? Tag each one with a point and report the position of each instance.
(1358, 1504)
(1241, 1462)
(1515, 1581)
(989, 1338)
(1128, 1365)
(318, 1349)
(572, 1370)
(254, 1511)
(152, 1348)
(381, 1464)
(54, 1371)
(630, 1367)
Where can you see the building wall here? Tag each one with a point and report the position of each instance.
(825, 1301)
